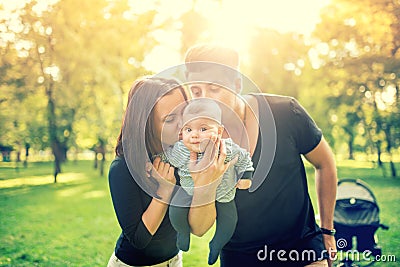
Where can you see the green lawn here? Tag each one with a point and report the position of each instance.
(72, 223)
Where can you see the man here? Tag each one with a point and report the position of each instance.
(276, 224)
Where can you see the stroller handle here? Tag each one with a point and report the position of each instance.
(358, 182)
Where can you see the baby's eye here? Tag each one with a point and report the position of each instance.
(203, 129)
(188, 130)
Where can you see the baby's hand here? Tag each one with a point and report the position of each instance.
(243, 184)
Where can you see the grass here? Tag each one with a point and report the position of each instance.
(72, 223)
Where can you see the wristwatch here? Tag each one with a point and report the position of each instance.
(325, 231)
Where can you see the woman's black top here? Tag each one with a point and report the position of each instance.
(135, 245)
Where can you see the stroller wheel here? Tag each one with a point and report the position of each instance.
(346, 264)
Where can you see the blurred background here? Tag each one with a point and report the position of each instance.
(66, 67)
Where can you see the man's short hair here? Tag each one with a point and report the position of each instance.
(212, 53)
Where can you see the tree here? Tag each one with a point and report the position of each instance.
(80, 60)
(361, 41)
(277, 61)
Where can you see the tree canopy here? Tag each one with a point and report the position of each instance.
(66, 67)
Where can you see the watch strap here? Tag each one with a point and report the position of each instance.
(331, 232)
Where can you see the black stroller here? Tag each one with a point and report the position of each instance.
(356, 218)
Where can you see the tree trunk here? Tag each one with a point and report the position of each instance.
(56, 147)
(27, 146)
(380, 163)
(57, 168)
(350, 144)
(54, 143)
(100, 149)
(95, 158)
(103, 159)
(389, 149)
(51, 116)
(393, 169)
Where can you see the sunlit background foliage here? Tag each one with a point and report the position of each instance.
(66, 67)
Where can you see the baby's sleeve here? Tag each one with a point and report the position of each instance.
(244, 165)
(178, 155)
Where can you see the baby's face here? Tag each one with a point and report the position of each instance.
(197, 132)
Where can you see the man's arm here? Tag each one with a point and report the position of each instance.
(207, 176)
(321, 157)
(201, 218)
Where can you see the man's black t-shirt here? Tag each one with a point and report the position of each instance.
(279, 214)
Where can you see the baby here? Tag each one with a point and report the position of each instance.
(201, 121)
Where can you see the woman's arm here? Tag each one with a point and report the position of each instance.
(137, 221)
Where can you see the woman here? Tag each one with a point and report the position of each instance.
(140, 200)
(147, 236)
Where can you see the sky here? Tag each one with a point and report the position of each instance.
(231, 23)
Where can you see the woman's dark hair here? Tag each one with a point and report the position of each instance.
(139, 120)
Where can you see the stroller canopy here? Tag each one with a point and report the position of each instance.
(355, 204)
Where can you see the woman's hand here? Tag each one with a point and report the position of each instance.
(163, 173)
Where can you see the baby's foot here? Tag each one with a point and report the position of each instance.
(183, 242)
(213, 255)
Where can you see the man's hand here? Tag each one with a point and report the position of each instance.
(243, 184)
(330, 246)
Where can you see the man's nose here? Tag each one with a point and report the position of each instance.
(203, 92)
